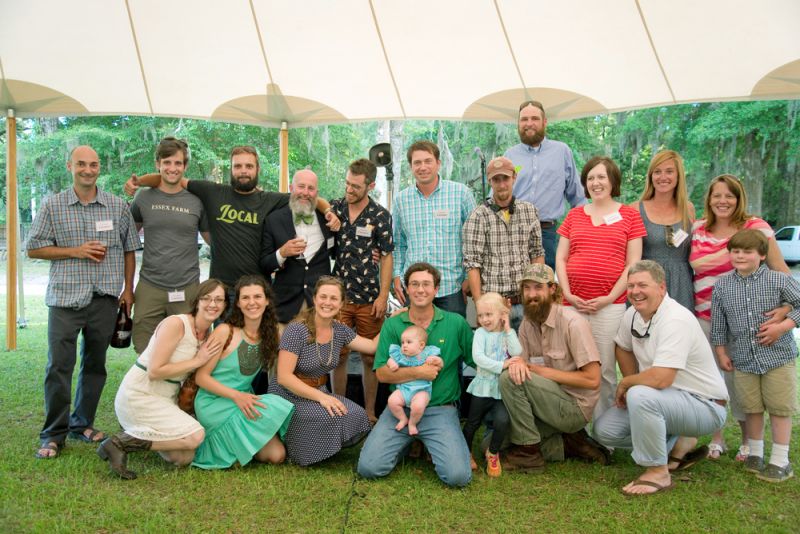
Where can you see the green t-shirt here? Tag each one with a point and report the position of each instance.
(448, 331)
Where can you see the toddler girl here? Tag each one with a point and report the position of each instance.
(494, 343)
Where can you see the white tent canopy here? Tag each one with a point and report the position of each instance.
(322, 61)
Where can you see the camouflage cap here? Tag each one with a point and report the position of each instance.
(538, 272)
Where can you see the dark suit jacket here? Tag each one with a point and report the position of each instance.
(295, 280)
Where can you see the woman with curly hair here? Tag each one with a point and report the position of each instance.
(323, 423)
(241, 426)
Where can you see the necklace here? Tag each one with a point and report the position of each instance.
(330, 351)
(248, 336)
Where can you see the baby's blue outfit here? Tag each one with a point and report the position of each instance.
(409, 389)
(489, 351)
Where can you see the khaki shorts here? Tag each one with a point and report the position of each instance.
(774, 391)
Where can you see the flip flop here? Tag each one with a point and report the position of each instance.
(95, 436)
(690, 458)
(639, 482)
(49, 446)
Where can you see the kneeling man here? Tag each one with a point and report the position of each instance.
(439, 428)
(671, 385)
(550, 398)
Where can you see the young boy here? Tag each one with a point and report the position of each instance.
(763, 362)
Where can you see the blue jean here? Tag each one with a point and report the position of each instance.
(516, 316)
(453, 303)
(549, 243)
(439, 431)
(654, 420)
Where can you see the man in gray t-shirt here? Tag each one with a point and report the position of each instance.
(171, 217)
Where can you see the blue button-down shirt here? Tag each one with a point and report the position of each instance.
(546, 175)
(63, 221)
(429, 229)
(738, 304)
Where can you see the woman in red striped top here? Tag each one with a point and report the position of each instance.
(599, 241)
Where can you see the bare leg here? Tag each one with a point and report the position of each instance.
(370, 386)
(396, 403)
(781, 429)
(179, 451)
(755, 426)
(418, 404)
(273, 452)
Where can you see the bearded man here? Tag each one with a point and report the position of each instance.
(546, 174)
(550, 392)
(296, 247)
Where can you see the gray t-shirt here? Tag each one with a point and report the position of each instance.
(171, 223)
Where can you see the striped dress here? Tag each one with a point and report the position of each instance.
(597, 253)
(711, 260)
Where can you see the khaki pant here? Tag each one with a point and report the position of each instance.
(151, 306)
(540, 411)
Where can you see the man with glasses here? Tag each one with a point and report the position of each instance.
(439, 429)
(427, 219)
(671, 385)
(500, 238)
(171, 217)
(550, 392)
(546, 173)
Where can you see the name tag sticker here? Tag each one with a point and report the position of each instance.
(679, 237)
(363, 231)
(104, 226)
(612, 218)
(176, 296)
(441, 214)
(536, 360)
(330, 242)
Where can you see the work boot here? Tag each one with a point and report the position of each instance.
(524, 459)
(580, 445)
(115, 449)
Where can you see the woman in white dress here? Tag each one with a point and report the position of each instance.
(146, 403)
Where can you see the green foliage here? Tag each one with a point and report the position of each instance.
(757, 141)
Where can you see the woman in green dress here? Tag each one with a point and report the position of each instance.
(241, 426)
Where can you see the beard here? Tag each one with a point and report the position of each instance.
(537, 312)
(531, 139)
(243, 187)
(299, 207)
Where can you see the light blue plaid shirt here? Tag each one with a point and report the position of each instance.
(429, 229)
(63, 221)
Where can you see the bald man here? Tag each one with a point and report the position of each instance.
(89, 237)
(296, 247)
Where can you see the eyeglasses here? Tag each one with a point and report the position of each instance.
(669, 233)
(206, 299)
(636, 334)
(424, 285)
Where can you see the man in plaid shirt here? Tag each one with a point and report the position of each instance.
(427, 220)
(500, 238)
(90, 237)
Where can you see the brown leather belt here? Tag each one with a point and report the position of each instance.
(720, 402)
(547, 224)
(313, 381)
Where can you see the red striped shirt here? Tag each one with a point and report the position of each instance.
(597, 253)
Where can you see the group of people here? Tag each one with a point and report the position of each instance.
(550, 302)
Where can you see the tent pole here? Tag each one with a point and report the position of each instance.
(11, 230)
(283, 137)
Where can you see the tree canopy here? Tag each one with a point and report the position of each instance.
(756, 141)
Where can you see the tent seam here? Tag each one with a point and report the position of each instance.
(386, 58)
(655, 52)
(139, 57)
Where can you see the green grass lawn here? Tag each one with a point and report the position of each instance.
(76, 493)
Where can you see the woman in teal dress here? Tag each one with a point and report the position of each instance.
(241, 426)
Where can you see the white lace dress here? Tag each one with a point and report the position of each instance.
(147, 409)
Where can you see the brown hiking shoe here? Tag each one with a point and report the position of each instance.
(523, 459)
(580, 445)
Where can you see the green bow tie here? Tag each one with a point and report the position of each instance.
(300, 218)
